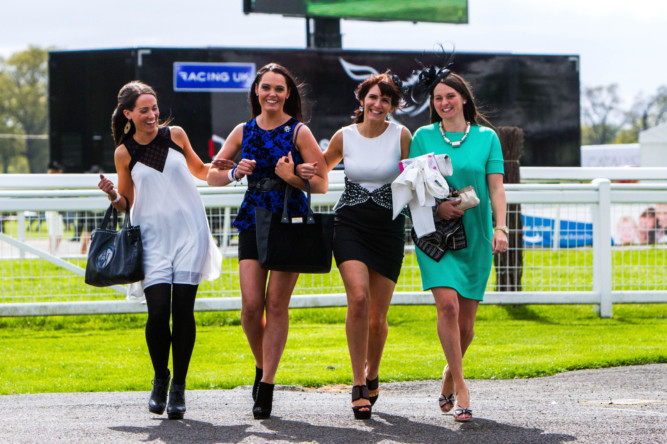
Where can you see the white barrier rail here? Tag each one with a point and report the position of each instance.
(20, 194)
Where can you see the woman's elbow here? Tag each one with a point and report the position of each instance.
(212, 178)
(320, 186)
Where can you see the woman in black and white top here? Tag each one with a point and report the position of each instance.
(368, 244)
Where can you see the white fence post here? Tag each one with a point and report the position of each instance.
(20, 230)
(602, 273)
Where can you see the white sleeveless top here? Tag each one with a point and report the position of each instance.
(178, 247)
(372, 162)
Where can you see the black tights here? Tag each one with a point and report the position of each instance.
(167, 301)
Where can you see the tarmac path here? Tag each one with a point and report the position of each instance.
(619, 405)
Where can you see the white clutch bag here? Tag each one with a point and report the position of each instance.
(468, 198)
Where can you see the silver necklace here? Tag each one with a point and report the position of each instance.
(459, 142)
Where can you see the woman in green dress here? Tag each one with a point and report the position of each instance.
(459, 279)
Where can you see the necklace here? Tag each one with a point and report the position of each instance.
(459, 142)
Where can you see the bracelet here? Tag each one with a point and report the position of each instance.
(232, 175)
(117, 199)
(502, 228)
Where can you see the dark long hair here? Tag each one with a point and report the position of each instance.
(292, 105)
(470, 112)
(388, 87)
(127, 99)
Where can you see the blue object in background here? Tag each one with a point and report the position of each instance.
(539, 232)
(213, 77)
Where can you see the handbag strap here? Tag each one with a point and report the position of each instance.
(127, 222)
(296, 133)
(310, 219)
(107, 218)
(112, 211)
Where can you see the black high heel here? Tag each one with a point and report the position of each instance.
(361, 411)
(176, 405)
(158, 401)
(263, 404)
(259, 374)
(373, 386)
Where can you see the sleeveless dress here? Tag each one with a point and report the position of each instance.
(363, 227)
(267, 147)
(467, 270)
(178, 247)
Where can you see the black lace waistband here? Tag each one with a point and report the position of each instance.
(355, 194)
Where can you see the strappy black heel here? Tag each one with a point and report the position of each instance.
(264, 402)
(373, 386)
(361, 411)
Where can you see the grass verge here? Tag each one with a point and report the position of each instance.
(108, 353)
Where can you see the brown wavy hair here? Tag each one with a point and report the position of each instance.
(387, 87)
(293, 103)
(127, 99)
(470, 111)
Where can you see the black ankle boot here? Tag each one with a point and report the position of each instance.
(158, 400)
(176, 406)
(259, 374)
(262, 407)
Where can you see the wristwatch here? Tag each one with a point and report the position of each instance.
(502, 228)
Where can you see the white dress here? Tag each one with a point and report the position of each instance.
(178, 247)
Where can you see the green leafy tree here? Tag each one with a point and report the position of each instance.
(10, 146)
(24, 104)
(647, 112)
(600, 108)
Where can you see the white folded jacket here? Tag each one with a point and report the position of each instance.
(419, 184)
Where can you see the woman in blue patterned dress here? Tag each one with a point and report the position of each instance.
(270, 144)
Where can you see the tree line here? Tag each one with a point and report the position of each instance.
(24, 119)
(604, 120)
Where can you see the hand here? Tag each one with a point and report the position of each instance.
(245, 168)
(306, 171)
(447, 210)
(107, 186)
(499, 242)
(285, 167)
(223, 164)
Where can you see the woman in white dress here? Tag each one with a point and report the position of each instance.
(155, 164)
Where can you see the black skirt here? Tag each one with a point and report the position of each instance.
(248, 245)
(367, 233)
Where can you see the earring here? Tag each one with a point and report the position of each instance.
(128, 126)
(361, 109)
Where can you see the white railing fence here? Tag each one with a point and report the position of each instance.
(567, 255)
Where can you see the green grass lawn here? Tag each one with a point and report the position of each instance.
(108, 353)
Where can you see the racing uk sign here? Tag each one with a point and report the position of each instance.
(213, 77)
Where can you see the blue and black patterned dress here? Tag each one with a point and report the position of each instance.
(267, 147)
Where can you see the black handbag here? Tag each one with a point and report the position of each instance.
(115, 257)
(301, 244)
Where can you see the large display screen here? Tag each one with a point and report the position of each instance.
(441, 11)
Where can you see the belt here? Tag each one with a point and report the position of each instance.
(266, 184)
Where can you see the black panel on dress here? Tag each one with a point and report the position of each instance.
(153, 154)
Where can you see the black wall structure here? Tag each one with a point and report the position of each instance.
(538, 93)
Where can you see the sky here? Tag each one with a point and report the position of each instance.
(618, 41)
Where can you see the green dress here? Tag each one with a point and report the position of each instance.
(467, 270)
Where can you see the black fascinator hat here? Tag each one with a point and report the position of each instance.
(429, 76)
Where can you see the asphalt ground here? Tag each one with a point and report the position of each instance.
(614, 405)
